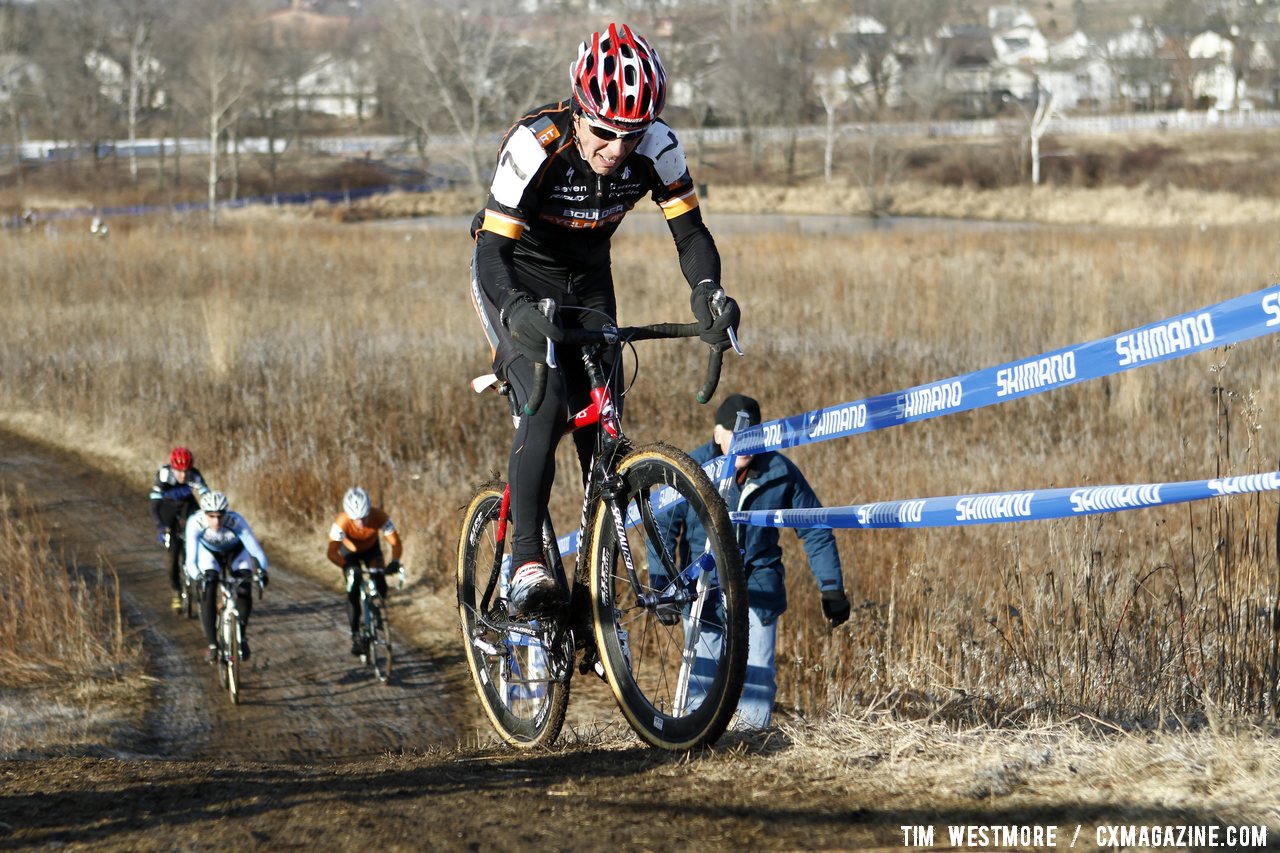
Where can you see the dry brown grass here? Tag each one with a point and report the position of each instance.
(71, 680)
(58, 622)
(1063, 774)
(297, 358)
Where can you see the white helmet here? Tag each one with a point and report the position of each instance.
(355, 503)
(213, 502)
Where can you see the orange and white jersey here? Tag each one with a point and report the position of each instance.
(361, 537)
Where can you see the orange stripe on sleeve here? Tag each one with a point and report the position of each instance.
(503, 225)
(680, 205)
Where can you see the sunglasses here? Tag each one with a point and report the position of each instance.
(609, 135)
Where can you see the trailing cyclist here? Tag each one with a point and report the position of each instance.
(354, 542)
(567, 173)
(174, 493)
(217, 538)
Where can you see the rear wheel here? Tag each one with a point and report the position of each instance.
(190, 590)
(510, 663)
(673, 641)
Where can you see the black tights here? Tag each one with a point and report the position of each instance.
(531, 470)
(209, 604)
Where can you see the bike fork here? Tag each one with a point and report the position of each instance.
(689, 654)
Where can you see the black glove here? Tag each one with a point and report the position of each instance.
(393, 567)
(835, 606)
(529, 328)
(715, 330)
(262, 579)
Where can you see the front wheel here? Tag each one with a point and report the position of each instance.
(672, 636)
(509, 661)
(379, 639)
(232, 633)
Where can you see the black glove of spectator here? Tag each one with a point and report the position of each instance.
(393, 567)
(835, 606)
(529, 328)
(715, 330)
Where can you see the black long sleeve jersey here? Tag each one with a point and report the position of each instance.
(546, 227)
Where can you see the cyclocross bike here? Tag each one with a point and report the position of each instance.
(188, 587)
(670, 640)
(227, 627)
(375, 628)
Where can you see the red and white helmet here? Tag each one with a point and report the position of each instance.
(618, 80)
(180, 459)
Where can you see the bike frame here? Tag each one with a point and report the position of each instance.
(601, 411)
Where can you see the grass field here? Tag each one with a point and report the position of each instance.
(297, 358)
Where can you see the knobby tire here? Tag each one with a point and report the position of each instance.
(233, 659)
(379, 638)
(642, 656)
(525, 715)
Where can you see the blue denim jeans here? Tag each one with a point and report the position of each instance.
(761, 684)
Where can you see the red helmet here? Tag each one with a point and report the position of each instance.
(618, 80)
(180, 459)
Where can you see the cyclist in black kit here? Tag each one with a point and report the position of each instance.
(566, 175)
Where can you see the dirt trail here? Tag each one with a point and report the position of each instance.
(304, 696)
(304, 763)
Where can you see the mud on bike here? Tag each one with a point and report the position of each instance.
(670, 641)
(375, 627)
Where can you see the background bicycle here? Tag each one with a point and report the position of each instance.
(375, 626)
(229, 628)
(188, 587)
(671, 644)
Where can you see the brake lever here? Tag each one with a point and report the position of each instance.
(548, 309)
(718, 302)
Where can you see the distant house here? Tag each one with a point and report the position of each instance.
(1135, 58)
(1021, 45)
(863, 59)
(971, 62)
(113, 80)
(1214, 75)
(331, 81)
(337, 86)
(17, 73)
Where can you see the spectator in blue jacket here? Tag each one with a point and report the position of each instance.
(765, 481)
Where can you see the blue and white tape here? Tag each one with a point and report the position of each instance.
(1002, 507)
(1238, 319)
(1229, 322)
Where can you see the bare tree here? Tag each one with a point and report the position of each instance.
(692, 61)
(877, 162)
(767, 73)
(217, 74)
(73, 104)
(925, 81)
(132, 25)
(464, 69)
(19, 77)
